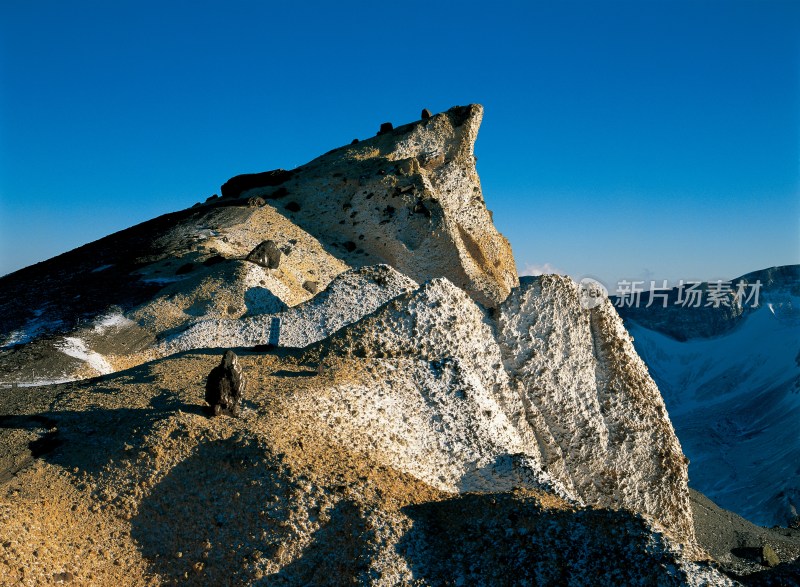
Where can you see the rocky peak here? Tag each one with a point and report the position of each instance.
(386, 412)
(409, 197)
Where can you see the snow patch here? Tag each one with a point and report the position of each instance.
(76, 348)
(42, 382)
(32, 329)
(734, 402)
(112, 320)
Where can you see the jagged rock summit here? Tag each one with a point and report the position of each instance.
(410, 198)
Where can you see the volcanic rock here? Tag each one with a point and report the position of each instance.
(348, 298)
(768, 556)
(592, 394)
(413, 409)
(225, 386)
(267, 254)
(441, 228)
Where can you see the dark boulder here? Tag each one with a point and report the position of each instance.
(420, 208)
(426, 114)
(235, 186)
(225, 386)
(267, 254)
(386, 128)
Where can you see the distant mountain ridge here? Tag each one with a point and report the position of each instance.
(730, 378)
(681, 321)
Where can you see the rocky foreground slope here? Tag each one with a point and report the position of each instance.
(413, 414)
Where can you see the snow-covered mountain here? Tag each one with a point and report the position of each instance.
(730, 378)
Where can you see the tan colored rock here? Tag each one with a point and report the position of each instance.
(381, 470)
(410, 198)
(768, 556)
(193, 270)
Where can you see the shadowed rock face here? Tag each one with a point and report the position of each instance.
(740, 545)
(410, 198)
(235, 186)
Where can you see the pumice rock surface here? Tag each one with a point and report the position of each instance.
(410, 198)
(349, 296)
(412, 414)
(577, 367)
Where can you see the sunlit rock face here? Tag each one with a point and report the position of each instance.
(408, 406)
(410, 198)
(591, 397)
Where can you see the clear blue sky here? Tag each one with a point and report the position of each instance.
(621, 139)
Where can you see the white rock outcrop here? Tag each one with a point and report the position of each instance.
(566, 381)
(578, 370)
(350, 296)
(435, 401)
(557, 385)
